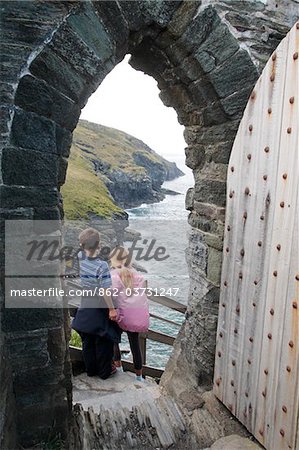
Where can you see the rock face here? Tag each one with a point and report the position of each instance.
(130, 190)
(132, 171)
(172, 171)
(206, 56)
(235, 442)
(8, 431)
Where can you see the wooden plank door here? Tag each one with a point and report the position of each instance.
(257, 361)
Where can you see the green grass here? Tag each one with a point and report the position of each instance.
(113, 146)
(51, 443)
(84, 192)
(75, 340)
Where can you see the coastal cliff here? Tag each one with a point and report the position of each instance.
(110, 170)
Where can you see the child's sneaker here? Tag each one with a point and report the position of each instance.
(119, 368)
(140, 378)
(113, 369)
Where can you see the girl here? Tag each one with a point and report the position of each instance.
(95, 319)
(130, 297)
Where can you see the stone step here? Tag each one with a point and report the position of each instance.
(121, 388)
(120, 413)
(235, 442)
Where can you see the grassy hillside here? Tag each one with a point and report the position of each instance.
(112, 146)
(98, 151)
(84, 192)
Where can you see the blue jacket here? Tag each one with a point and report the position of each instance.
(92, 316)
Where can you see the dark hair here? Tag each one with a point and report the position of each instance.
(89, 239)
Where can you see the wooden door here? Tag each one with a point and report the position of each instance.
(256, 366)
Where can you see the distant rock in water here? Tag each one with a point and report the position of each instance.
(172, 171)
(170, 192)
(110, 170)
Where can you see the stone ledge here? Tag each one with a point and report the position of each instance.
(189, 199)
(132, 15)
(210, 211)
(7, 90)
(6, 116)
(47, 102)
(219, 152)
(235, 103)
(158, 13)
(213, 421)
(217, 48)
(200, 28)
(195, 156)
(203, 92)
(17, 168)
(209, 135)
(151, 60)
(88, 25)
(31, 131)
(210, 191)
(18, 196)
(214, 266)
(21, 325)
(114, 21)
(178, 23)
(234, 74)
(57, 72)
(71, 47)
(235, 442)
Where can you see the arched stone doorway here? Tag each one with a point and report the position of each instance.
(205, 56)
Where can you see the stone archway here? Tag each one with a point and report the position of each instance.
(205, 56)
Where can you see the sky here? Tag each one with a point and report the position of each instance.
(129, 101)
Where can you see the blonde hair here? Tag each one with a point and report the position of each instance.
(120, 259)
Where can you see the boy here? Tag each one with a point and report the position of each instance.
(95, 319)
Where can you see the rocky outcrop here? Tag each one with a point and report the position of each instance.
(132, 171)
(159, 172)
(172, 171)
(130, 190)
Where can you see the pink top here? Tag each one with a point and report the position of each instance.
(133, 311)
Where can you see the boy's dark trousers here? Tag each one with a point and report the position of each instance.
(97, 355)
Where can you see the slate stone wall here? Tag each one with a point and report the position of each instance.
(206, 57)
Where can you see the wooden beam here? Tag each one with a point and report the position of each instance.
(159, 337)
(168, 303)
(146, 370)
(155, 316)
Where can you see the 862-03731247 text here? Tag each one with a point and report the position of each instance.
(58, 292)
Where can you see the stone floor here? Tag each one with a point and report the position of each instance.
(234, 442)
(118, 390)
(122, 413)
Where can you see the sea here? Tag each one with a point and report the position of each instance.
(161, 251)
